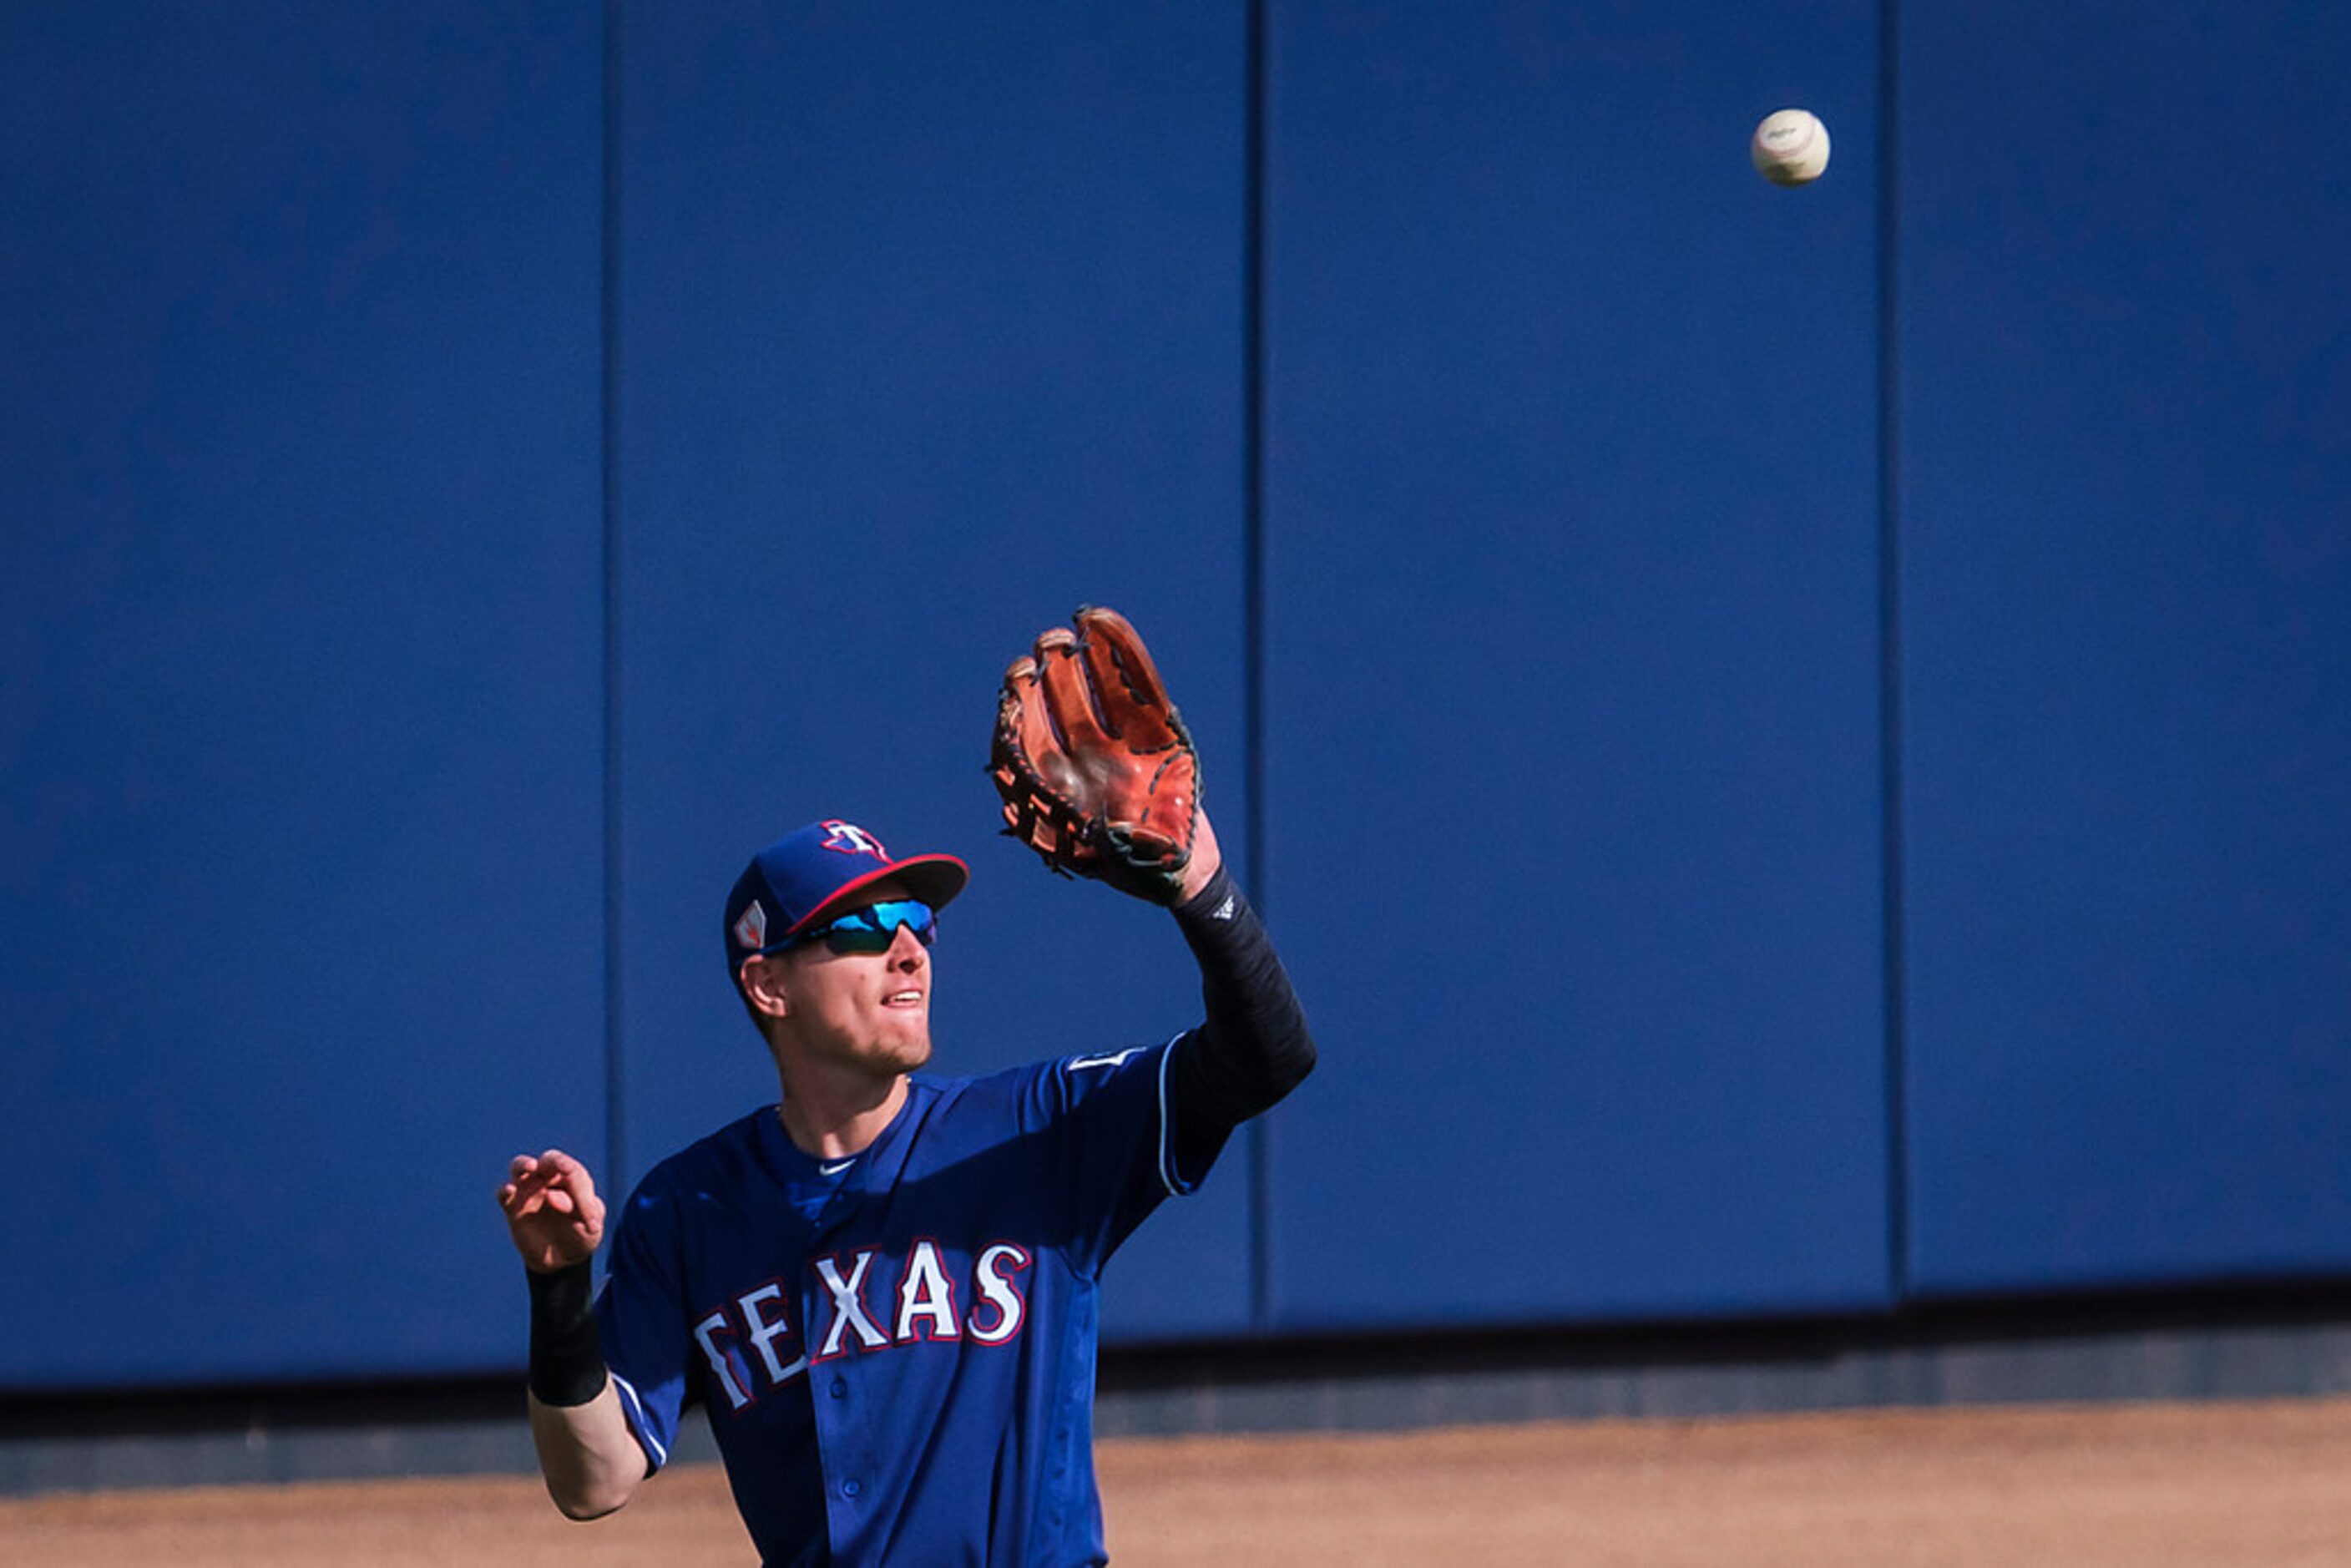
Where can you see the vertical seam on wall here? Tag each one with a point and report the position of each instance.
(615, 1035)
(1889, 609)
(1253, 184)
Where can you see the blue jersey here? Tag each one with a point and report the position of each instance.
(896, 1351)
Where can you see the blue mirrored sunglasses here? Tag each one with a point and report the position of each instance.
(873, 928)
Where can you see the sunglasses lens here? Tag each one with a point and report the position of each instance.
(873, 928)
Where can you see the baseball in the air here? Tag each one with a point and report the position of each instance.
(1791, 147)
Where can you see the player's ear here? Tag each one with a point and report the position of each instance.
(764, 987)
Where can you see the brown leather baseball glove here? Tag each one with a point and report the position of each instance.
(1097, 771)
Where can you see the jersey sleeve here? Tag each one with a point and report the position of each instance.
(1118, 1138)
(641, 1318)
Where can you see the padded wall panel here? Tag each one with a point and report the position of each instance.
(930, 332)
(299, 834)
(2127, 476)
(1572, 756)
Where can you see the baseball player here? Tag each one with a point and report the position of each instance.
(883, 1289)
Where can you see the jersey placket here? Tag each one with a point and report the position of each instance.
(837, 1313)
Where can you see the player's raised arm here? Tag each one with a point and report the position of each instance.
(1100, 777)
(590, 1458)
(1252, 1048)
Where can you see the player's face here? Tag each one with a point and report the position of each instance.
(865, 1009)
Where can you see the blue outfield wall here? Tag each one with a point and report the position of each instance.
(473, 474)
(929, 332)
(2126, 534)
(301, 727)
(1572, 730)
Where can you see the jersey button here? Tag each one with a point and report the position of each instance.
(839, 1389)
(850, 1489)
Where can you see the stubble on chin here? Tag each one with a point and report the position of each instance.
(908, 1051)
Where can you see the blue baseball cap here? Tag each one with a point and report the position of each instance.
(802, 879)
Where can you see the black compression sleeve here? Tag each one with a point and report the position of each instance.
(1254, 1048)
(567, 1359)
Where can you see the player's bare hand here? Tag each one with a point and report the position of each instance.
(552, 1210)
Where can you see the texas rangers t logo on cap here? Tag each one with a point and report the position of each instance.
(850, 839)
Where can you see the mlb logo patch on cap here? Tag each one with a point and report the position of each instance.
(751, 929)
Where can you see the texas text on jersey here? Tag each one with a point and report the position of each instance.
(879, 1331)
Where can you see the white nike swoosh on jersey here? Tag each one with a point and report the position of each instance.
(1079, 1063)
(836, 1167)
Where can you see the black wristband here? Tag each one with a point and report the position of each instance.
(567, 1359)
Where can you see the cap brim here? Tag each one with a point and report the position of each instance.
(934, 879)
